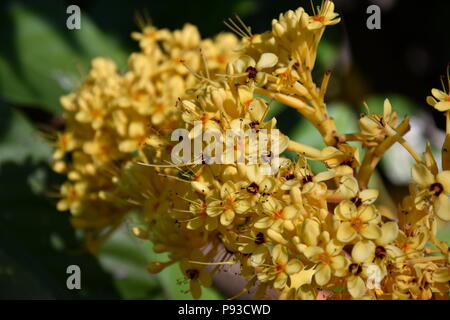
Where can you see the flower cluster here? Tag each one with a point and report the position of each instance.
(114, 117)
(300, 233)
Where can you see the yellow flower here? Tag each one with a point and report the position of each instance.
(137, 135)
(329, 258)
(230, 203)
(196, 274)
(443, 100)
(373, 125)
(281, 269)
(253, 71)
(65, 143)
(72, 195)
(324, 17)
(355, 284)
(349, 189)
(201, 219)
(434, 190)
(343, 155)
(362, 221)
(256, 245)
(277, 216)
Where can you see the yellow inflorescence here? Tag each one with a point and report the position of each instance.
(302, 234)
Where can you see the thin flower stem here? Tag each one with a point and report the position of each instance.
(447, 128)
(373, 155)
(352, 137)
(391, 132)
(324, 86)
(303, 149)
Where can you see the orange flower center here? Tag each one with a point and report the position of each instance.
(63, 142)
(325, 258)
(141, 139)
(72, 196)
(277, 214)
(279, 268)
(204, 118)
(356, 223)
(96, 113)
(202, 212)
(138, 95)
(150, 34)
(221, 59)
(319, 18)
(247, 102)
(403, 246)
(228, 204)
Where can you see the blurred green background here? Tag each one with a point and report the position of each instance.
(40, 60)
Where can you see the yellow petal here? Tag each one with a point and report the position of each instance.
(293, 266)
(263, 223)
(363, 251)
(267, 184)
(442, 106)
(305, 292)
(196, 289)
(422, 176)
(348, 186)
(259, 256)
(280, 281)
(367, 213)
(442, 207)
(371, 231)
(279, 254)
(242, 206)
(323, 274)
(345, 232)
(441, 275)
(276, 236)
(368, 196)
(312, 253)
(195, 223)
(211, 224)
(267, 60)
(243, 63)
(356, 287)
(387, 110)
(438, 94)
(214, 208)
(338, 262)
(431, 101)
(289, 212)
(444, 179)
(334, 247)
(303, 277)
(389, 232)
(345, 210)
(205, 279)
(227, 217)
(310, 232)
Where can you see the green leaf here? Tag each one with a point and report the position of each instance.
(126, 258)
(44, 60)
(19, 141)
(32, 264)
